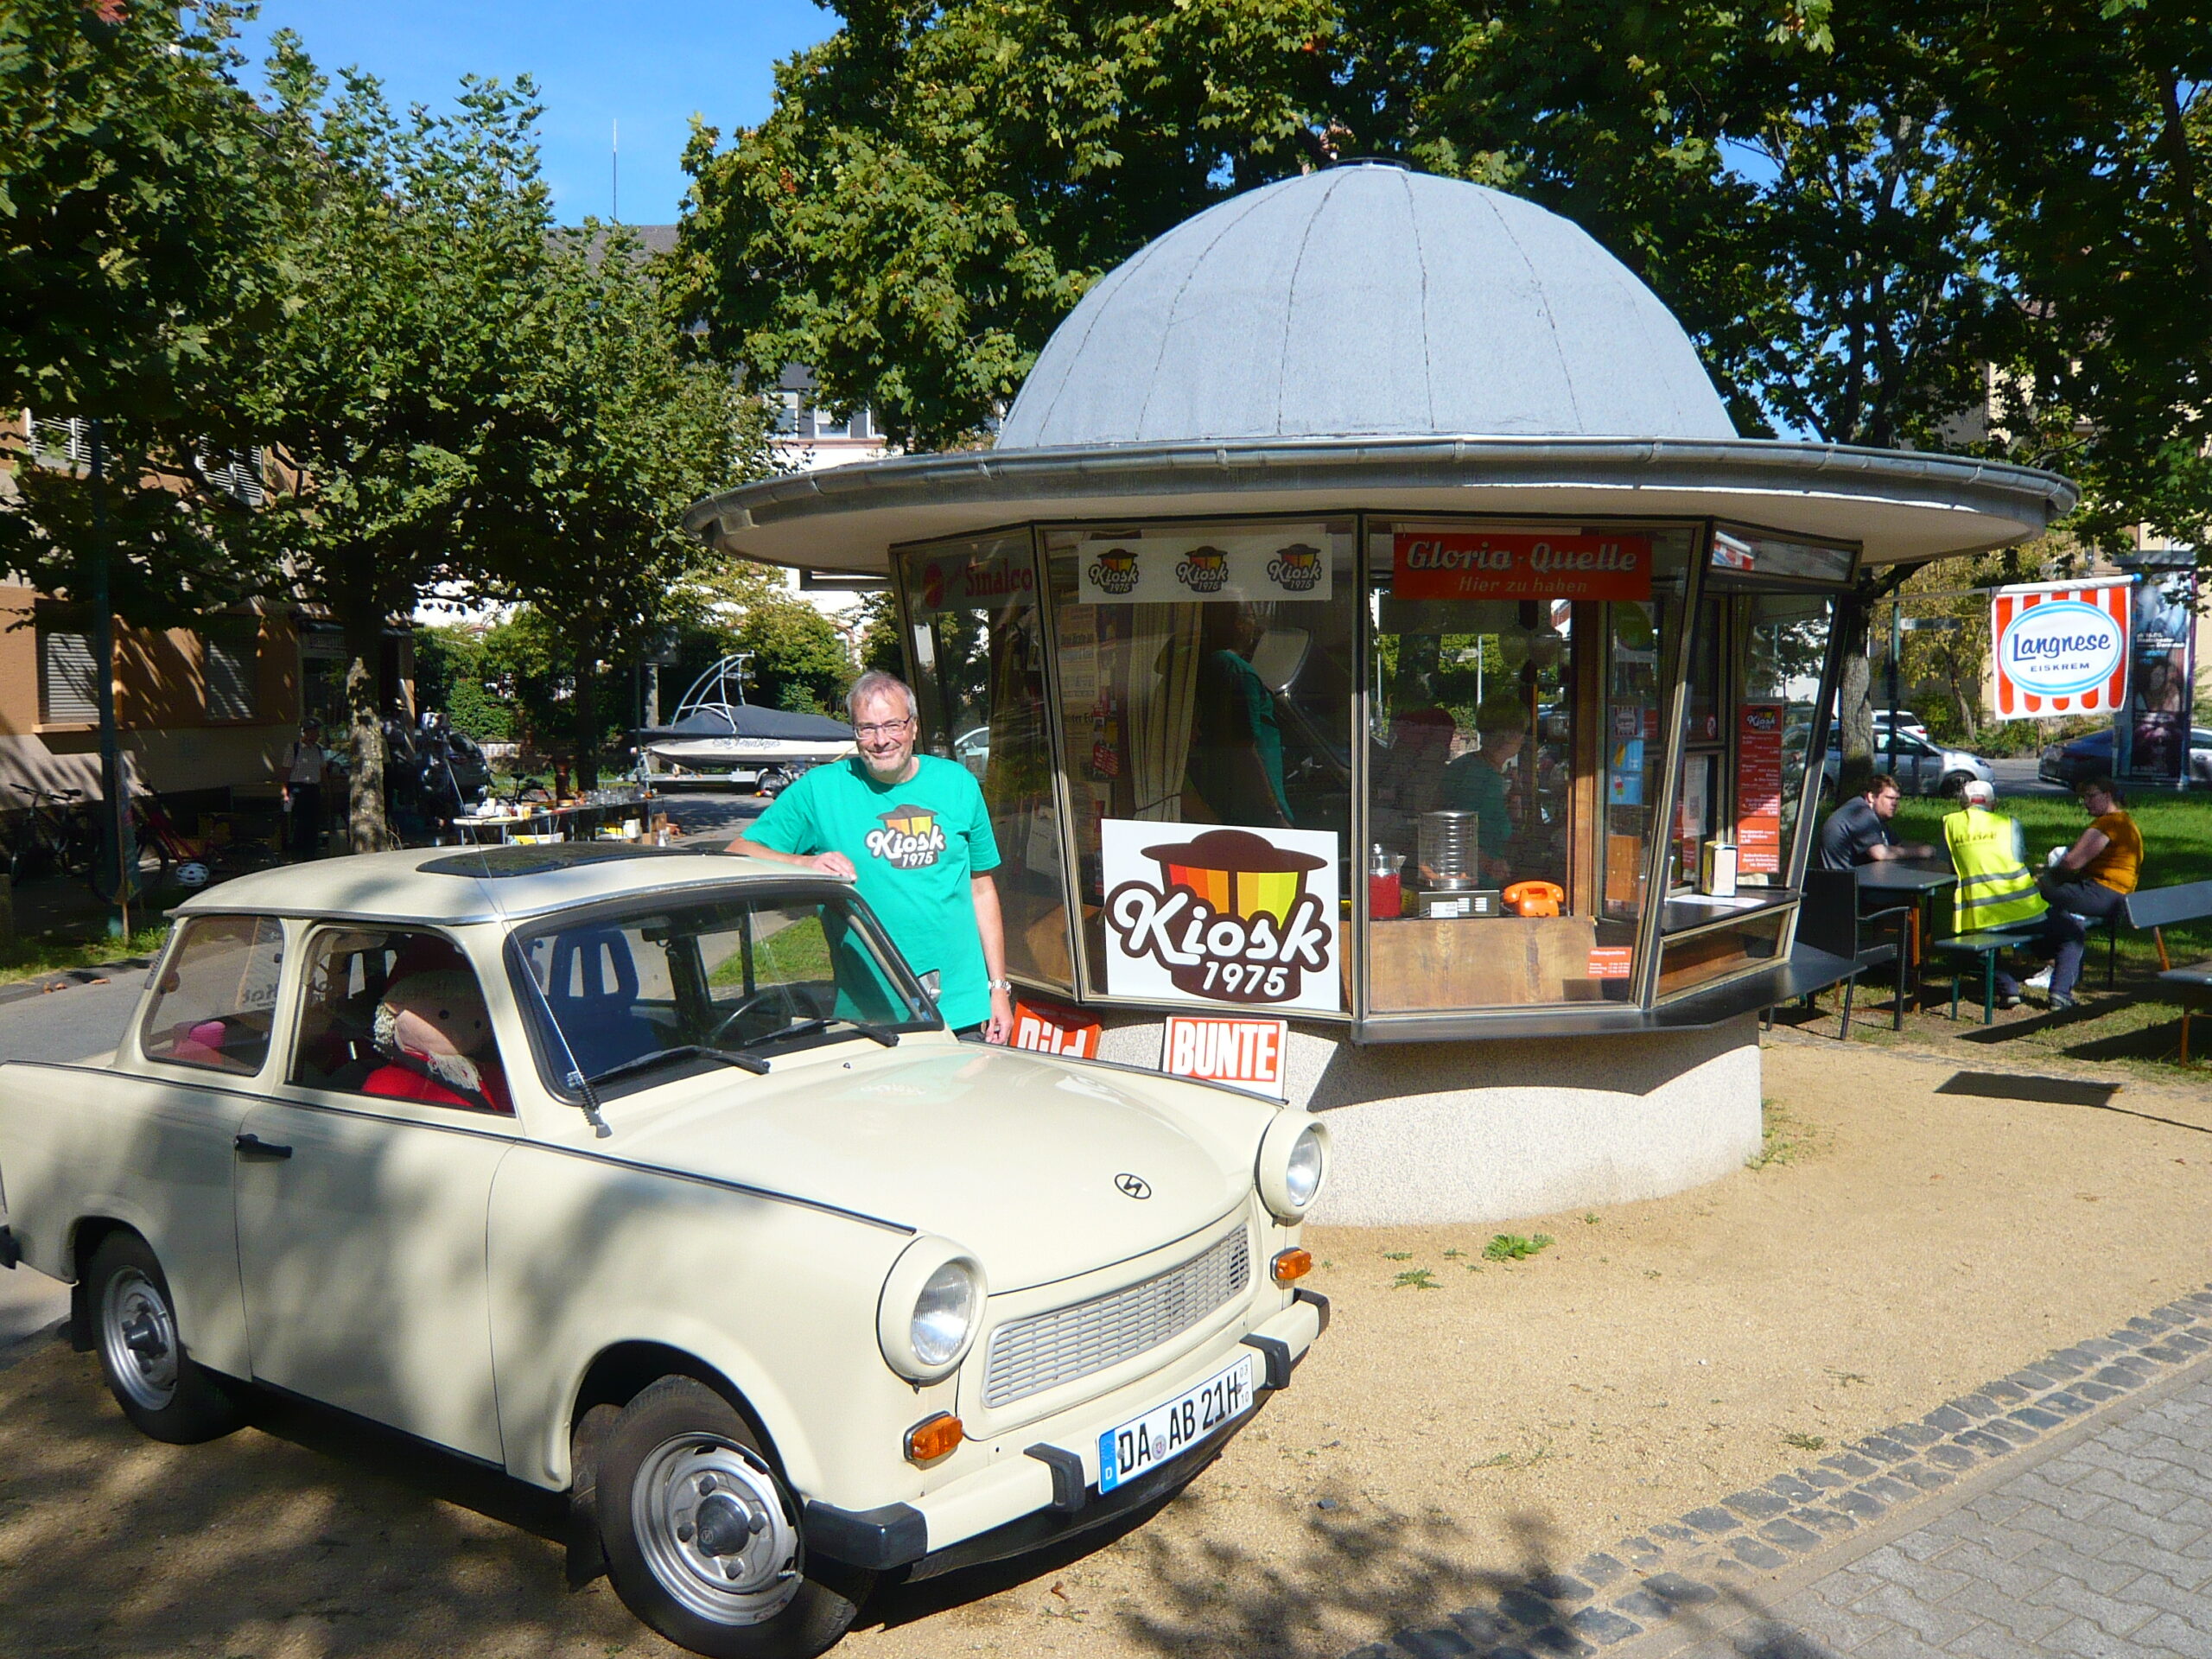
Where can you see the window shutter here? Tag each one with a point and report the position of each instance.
(230, 665)
(68, 682)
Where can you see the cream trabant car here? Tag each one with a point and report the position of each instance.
(654, 1177)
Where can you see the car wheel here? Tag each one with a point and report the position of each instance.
(1954, 782)
(144, 1360)
(703, 1542)
(773, 782)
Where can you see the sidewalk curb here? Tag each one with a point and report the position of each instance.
(23, 990)
(1672, 1581)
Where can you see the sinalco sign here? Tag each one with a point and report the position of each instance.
(2061, 649)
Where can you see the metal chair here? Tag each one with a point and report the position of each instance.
(1828, 919)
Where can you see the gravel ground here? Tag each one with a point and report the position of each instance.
(1898, 1245)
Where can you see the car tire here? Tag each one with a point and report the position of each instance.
(1954, 782)
(773, 782)
(152, 1376)
(703, 1540)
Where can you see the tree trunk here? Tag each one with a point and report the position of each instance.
(367, 830)
(1854, 707)
(586, 733)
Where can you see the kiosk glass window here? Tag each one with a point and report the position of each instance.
(1486, 765)
(1639, 634)
(977, 650)
(1206, 679)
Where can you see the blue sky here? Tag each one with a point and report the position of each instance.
(647, 64)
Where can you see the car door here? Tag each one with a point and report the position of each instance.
(361, 1213)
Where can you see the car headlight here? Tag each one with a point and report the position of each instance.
(1294, 1161)
(931, 1306)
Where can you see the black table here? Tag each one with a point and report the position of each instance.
(1915, 883)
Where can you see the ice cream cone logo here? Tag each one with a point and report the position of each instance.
(911, 838)
(1296, 568)
(1231, 917)
(1205, 570)
(1115, 570)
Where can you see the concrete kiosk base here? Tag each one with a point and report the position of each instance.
(1491, 1131)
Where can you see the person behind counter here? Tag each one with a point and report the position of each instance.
(1235, 761)
(1478, 781)
(1858, 832)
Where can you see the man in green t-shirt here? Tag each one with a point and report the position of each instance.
(911, 832)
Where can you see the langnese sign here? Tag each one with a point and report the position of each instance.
(1466, 564)
(1246, 1053)
(2061, 649)
(1222, 915)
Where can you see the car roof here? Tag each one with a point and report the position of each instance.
(458, 884)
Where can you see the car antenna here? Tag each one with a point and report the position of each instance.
(574, 1077)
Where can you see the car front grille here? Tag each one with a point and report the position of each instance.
(1046, 1350)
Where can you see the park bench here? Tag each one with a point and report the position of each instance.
(1985, 947)
(2157, 909)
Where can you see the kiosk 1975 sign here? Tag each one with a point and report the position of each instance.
(1202, 914)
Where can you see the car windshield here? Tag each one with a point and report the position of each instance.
(643, 994)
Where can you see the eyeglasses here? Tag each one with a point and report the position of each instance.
(883, 728)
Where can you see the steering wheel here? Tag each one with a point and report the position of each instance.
(753, 1004)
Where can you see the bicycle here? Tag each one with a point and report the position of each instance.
(56, 832)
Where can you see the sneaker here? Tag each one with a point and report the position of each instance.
(2039, 982)
(2007, 1001)
(2061, 999)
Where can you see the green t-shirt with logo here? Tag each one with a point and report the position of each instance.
(916, 846)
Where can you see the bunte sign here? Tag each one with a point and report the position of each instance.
(1246, 1053)
(2060, 648)
(1222, 915)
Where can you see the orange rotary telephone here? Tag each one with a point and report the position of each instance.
(1534, 898)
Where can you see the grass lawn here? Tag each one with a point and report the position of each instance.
(24, 957)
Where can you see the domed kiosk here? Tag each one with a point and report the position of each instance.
(1369, 620)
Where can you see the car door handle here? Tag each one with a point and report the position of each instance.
(252, 1145)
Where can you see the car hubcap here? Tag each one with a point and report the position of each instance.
(139, 1338)
(713, 1526)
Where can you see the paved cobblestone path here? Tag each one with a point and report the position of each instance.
(2101, 1548)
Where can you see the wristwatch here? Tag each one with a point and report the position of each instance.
(999, 984)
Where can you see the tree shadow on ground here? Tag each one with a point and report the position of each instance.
(310, 1533)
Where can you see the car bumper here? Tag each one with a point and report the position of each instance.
(1050, 1490)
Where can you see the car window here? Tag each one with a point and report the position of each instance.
(396, 1014)
(216, 999)
(759, 974)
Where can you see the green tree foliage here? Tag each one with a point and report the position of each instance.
(937, 185)
(799, 658)
(452, 672)
(625, 423)
(138, 265)
(394, 383)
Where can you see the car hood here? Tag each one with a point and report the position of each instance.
(1015, 1156)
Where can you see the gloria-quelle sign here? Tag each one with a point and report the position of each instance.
(1245, 917)
(2060, 648)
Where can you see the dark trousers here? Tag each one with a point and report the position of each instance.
(304, 833)
(2067, 934)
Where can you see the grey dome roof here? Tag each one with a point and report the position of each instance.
(1367, 301)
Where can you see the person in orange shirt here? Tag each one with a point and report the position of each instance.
(2086, 886)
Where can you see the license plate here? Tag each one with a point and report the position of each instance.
(1167, 1431)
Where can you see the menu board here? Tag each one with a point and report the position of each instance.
(1758, 788)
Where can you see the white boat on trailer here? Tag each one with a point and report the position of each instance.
(714, 737)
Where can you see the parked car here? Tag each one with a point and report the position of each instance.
(972, 749)
(656, 1178)
(1921, 767)
(2090, 756)
(1905, 719)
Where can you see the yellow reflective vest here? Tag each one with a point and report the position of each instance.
(1995, 889)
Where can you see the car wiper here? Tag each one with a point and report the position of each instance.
(875, 1033)
(682, 1051)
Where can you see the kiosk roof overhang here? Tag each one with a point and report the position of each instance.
(1903, 506)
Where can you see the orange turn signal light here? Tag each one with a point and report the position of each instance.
(1292, 1264)
(934, 1437)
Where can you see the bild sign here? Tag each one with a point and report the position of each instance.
(2060, 649)
(1222, 915)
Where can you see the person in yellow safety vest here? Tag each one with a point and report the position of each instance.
(1996, 888)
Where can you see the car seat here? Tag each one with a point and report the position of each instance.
(593, 991)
